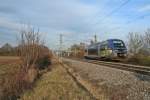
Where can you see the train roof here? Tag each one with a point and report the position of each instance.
(113, 39)
(98, 43)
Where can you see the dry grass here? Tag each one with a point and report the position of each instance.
(56, 85)
(9, 66)
(13, 81)
(139, 60)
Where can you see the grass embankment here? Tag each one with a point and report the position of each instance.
(56, 85)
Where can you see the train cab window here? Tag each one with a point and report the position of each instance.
(118, 44)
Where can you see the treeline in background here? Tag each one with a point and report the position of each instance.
(139, 48)
(8, 50)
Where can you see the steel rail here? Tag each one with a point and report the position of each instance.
(145, 70)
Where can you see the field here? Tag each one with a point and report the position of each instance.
(9, 59)
(8, 68)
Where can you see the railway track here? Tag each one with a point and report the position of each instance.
(145, 70)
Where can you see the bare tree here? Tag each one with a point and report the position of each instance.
(147, 38)
(135, 42)
(29, 47)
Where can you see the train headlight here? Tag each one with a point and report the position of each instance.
(114, 54)
(110, 51)
(125, 55)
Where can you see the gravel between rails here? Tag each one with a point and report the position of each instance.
(116, 84)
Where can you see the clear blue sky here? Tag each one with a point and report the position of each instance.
(78, 20)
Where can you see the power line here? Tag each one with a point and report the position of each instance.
(138, 18)
(115, 10)
(118, 8)
(60, 41)
(95, 38)
(98, 13)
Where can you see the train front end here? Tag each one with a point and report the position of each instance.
(119, 49)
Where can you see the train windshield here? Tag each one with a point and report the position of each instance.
(118, 44)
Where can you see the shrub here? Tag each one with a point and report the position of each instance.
(139, 47)
(34, 56)
(16, 83)
(43, 62)
(13, 86)
(139, 59)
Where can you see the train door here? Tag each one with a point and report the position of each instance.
(104, 52)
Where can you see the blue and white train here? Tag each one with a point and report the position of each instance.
(109, 49)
